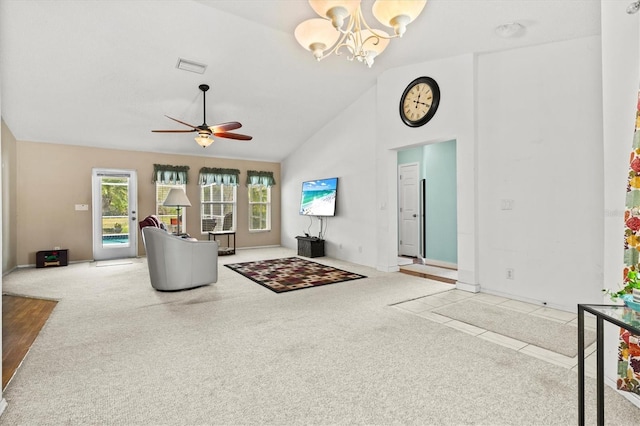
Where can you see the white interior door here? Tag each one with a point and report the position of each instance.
(115, 232)
(409, 232)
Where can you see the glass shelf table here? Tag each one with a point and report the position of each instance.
(619, 315)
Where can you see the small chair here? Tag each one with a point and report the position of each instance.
(227, 222)
(176, 263)
(208, 225)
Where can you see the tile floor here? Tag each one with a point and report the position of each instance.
(424, 306)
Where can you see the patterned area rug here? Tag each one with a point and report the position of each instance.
(291, 273)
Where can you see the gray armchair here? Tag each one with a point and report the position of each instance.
(176, 263)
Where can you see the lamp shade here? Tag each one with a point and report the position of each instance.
(204, 140)
(177, 197)
(316, 35)
(397, 14)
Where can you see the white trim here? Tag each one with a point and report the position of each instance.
(473, 288)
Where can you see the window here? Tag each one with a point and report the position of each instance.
(259, 208)
(169, 215)
(166, 178)
(218, 207)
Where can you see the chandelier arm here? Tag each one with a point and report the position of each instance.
(350, 49)
(373, 30)
(342, 41)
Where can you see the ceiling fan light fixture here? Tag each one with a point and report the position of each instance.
(204, 140)
(205, 132)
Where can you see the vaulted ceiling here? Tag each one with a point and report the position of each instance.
(103, 73)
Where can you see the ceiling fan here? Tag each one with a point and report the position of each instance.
(205, 131)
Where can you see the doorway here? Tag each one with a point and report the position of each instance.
(114, 197)
(436, 231)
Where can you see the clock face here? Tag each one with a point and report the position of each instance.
(419, 101)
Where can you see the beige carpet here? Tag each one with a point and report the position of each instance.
(117, 352)
(541, 332)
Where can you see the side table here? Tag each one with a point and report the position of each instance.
(310, 246)
(618, 315)
(223, 251)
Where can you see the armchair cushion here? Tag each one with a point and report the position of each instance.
(177, 263)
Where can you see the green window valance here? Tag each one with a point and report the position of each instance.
(260, 178)
(167, 174)
(217, 176)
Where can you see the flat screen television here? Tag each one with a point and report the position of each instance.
(319, 197)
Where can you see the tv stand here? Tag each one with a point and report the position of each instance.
(310, 247)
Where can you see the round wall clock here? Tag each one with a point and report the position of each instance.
(419, 101)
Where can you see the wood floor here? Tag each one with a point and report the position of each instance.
(22, 320)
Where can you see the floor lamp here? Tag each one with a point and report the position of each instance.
(177, 198)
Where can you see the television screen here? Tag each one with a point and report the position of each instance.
(319, 197)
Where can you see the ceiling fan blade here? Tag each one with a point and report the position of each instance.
(237, 136)
(174, 131)
(224, 127)
(182, 122)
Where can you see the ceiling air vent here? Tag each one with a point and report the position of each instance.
(187, 65)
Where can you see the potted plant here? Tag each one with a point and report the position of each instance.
(117, 228)
(630, 291)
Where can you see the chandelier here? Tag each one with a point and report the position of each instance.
(324, 36)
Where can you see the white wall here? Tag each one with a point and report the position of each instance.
(455, 119)
(344, 148)
(529, 128)
(540, 145)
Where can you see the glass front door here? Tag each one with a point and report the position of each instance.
(114, 214)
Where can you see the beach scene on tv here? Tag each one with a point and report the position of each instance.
(319, 197)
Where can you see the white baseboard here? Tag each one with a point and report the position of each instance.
(473, 288)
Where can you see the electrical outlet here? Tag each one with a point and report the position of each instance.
(510, 273)
(56, 248)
